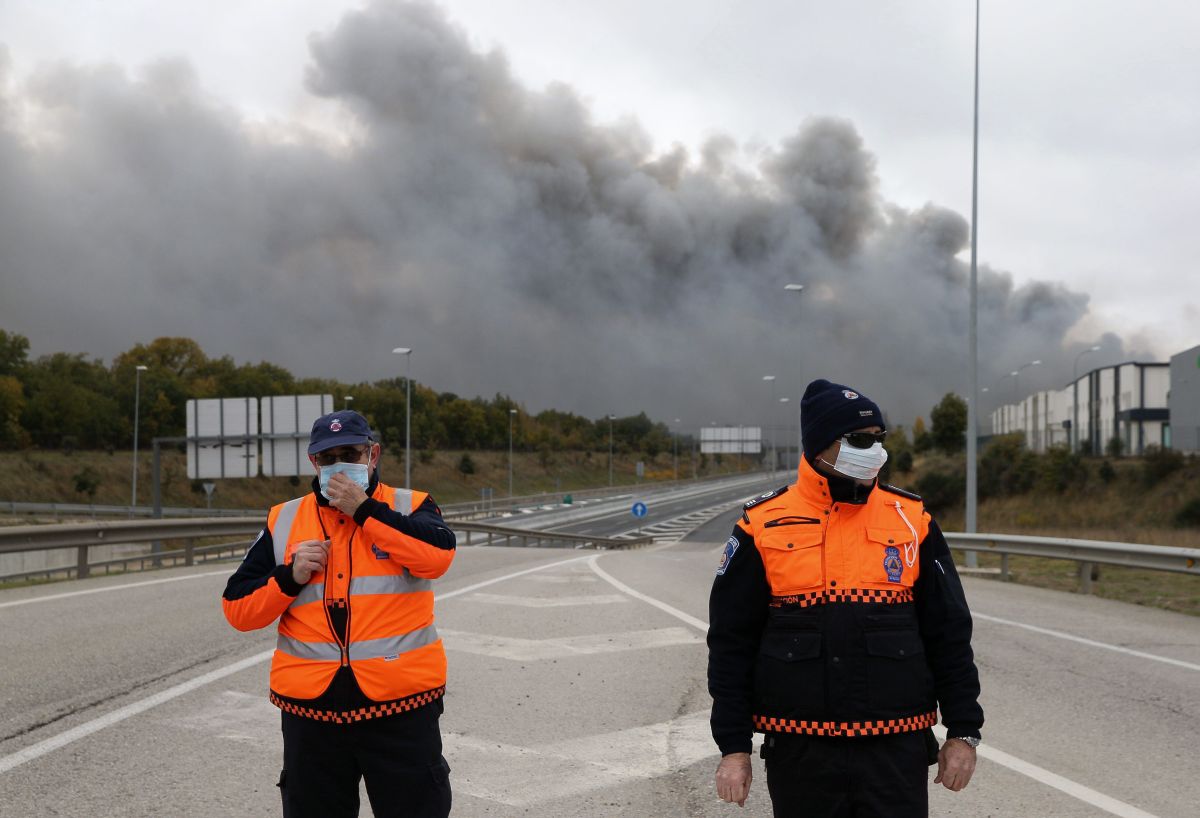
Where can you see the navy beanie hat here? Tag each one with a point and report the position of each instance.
(829, 410)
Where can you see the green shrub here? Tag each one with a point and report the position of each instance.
(1189, 515)
(1159, 463)
(1106, 472)
(1060, 469)
(904, 462)
(942, 491)
(1006, 467)
(87, 480)
(466, 465)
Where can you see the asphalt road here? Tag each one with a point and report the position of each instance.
(576, 689)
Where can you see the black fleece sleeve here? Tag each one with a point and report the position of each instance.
(425, 524)
(257, 567)
(945, 622)
(737, 613)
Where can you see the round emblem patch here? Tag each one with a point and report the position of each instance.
(850, 394)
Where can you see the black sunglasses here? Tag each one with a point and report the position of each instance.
(864, 440)
(347, 455)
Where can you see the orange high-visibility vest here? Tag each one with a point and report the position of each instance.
(391, 644)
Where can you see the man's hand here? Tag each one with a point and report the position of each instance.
(345, 494)
(956, 764)
(308, 559)
(733, 778)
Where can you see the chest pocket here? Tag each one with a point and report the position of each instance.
(794, 557)
(888, 557)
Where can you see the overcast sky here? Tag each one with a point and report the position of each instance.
(1089, 167)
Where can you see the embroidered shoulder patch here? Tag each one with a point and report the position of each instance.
(731, 547)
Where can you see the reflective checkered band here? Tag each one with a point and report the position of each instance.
(887, 596)
(363, 713)
(768, 724)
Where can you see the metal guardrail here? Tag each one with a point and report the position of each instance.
(84, 536)
(1088, 553)
(93, 510)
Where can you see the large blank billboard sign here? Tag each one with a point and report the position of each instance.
(731, 440)
(224, 438)
(287, 422)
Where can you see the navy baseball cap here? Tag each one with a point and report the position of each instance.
(344, 428)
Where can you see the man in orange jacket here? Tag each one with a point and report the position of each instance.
(359, 671)
(838, 628)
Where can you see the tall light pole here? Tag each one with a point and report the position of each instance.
(771, 379)
(137, 399)
(973, 322)
(511, 414)
(610, 450)
(346, 401)
(1016, 373)
(675, 442)
(1075, 407)
(407, 353)
(786, 427)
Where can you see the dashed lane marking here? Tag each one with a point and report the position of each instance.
(549, 602)
(526, 650)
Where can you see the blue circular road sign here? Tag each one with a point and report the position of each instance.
(639, 509)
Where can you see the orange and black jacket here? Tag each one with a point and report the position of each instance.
(836, 610)
(358, 640)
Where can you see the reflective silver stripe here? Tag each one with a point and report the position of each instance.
(283, 528)
(393, 645)
(319, 651)
(389, 584)
(313, 592)
(402, 502)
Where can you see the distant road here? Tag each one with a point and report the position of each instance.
(576, 689)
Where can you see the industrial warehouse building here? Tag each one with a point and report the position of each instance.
(1128, 402)
(1184, 401)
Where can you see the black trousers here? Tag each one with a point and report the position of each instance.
(399, 756)
(861, 777)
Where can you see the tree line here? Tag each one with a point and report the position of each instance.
(68, 400)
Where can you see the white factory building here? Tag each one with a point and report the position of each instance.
(1126, 401)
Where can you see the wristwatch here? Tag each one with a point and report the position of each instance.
(971, 741)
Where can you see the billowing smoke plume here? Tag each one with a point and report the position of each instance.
(515, 243)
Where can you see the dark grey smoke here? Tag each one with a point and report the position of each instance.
(518, 245)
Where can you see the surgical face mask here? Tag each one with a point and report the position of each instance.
(861, 464)
(358, 472)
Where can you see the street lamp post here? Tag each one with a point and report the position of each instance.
(407, 353)
(771, 379)
(610, 449)
(346, 401)
(511, 414)
(797, 289)
(973, 319)
(675, 446)
(137, 399)
(1075, 406)
(786, 426)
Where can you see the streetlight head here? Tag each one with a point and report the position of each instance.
(1096, 348)
(141, 367)
(784, 400)
(512, 411)
(1034, 363)
(768, 377)
(402, 350)
(1015, 372)
(793, 288)
(347, 397)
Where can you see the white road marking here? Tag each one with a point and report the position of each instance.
(557, 579)
(1089, 642)
(527, 650)
(106, 588)
(1063, 785)
(570, 768)
(66, 737)
(649, 600)
(41, 748)
(549, 602)
(1039, 774)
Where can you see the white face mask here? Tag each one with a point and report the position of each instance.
(861, 464)
(358, 472)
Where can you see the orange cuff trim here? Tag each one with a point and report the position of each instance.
(363, 713)
(768, 724)
(887, 597)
